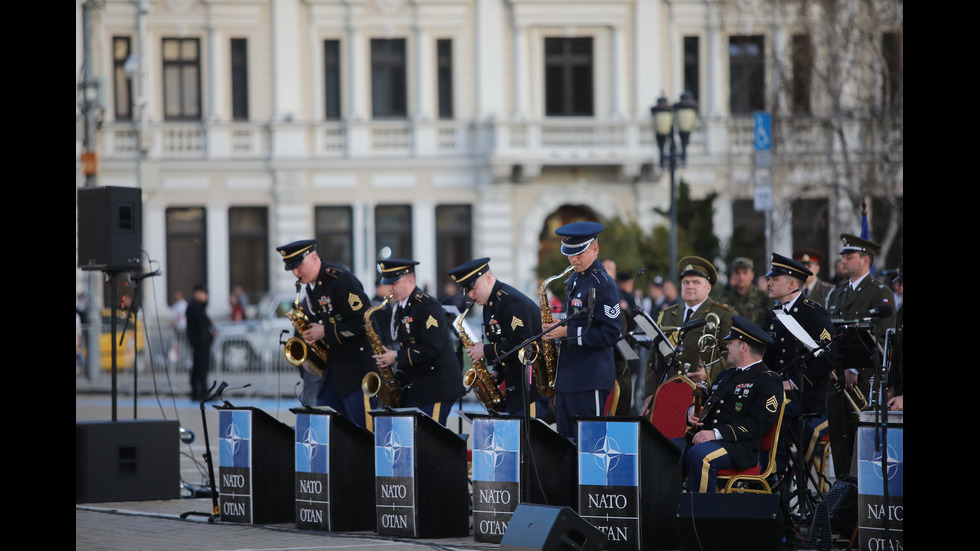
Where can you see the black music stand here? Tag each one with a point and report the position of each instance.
(255, 466)
(420, 476)
(629, 481)
(334, 472)
(516, 461)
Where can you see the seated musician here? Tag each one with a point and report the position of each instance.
(742, 404)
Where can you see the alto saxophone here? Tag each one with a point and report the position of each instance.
(384, 385)
(296, 350)
(545, 370)
(477, 377)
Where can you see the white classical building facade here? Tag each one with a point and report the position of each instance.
(434, 129)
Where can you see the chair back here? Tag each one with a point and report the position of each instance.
(669, 410)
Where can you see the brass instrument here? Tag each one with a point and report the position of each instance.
(708, 342)
(477, 377)
(296, 350)
(383, 383)
(855, 397)
(545, 371)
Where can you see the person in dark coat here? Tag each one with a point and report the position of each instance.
(200, 335)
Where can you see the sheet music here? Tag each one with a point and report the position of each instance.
(794, 327)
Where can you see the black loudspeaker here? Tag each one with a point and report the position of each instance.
(130, 460)
(550, 528)
(110, 228)
(730, 522)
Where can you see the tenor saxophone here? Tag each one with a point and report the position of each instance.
(545, 370)
(382, 384)
(296, 350)
(477, 377)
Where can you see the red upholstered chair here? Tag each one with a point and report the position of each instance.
(609, 409)
(669, 410)
(746, 478)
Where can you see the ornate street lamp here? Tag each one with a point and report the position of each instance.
(667, 118)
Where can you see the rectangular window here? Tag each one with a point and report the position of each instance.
(748, 231)
(331, 79)
(187, 262)
(747, 74)
(454, 234)
(239, 79)
(568, 77)
(444, 60)
(692, 69)
(334, 228)
(122, 84)
(389, 89)
(891, 47)
(811, 220)
(802, 73)
(393, 229)
(181, 79)
(248, 250)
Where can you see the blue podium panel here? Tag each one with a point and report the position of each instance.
(255, 467)
(609, 490)
(334, 472)
(496, 475)
(629, 482)
(420, 476)
(313, 471)
(881, 514)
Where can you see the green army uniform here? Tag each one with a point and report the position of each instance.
(848, 304)
(751, 306)
(673, 317)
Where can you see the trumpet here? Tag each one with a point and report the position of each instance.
(854, 396)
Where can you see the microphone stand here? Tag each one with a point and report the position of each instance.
(215, 513)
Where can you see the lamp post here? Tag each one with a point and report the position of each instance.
(666, 118)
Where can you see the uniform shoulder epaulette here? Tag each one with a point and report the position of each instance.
(419, 296)
(724, 306)
(332, 272)
(669, 308)
(501, 293)
(811, 303)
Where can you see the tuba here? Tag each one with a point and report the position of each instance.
(296, 350)
(477, 377)
(545, 370)
(384, 385)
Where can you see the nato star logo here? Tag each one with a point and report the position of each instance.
(495, 450)
(392, 447)
(233, 437)
(310, 444)
(606, 453)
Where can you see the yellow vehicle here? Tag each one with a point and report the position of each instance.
(125, 351)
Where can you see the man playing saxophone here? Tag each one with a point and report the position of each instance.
(425, 364)
(509, 319)
(335, 306)
(587, 357)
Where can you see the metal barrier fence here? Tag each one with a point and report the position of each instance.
(238, 348)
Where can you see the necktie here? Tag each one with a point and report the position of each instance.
(687, 317)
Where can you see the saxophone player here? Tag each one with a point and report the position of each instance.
(425, 364)
(335, 304)
(509, 319)
(587, 357)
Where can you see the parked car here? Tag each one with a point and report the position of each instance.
(255, 343)
(132, 343)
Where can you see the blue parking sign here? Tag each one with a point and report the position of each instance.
(763, 131)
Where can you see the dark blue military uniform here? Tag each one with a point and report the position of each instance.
(338, 302)
(509, 319)
(741, 406)
(426, 362)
